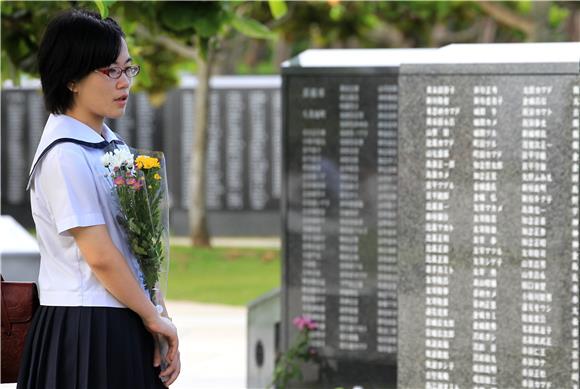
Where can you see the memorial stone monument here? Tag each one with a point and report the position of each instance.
(340, 211)
(488, 218)
(243, 155)
(243, 179)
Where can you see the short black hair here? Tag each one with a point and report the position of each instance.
(75, 43)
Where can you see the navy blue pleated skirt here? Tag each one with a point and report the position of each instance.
(88, 348)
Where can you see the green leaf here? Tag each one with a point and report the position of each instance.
(252, 28)
(557, 15)
(524, 6)
(337, 12)
(103, 8)
(176, 17)
(208, 27)
(133, 226)
(205, 18)
(278, 8)
(138, 249)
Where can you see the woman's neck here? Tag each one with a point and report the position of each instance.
(95, 123)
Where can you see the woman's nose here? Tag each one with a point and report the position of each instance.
(124, 81)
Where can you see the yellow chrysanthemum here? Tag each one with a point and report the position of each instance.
(145, 162)
(157, 176)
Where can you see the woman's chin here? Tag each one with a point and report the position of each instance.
(117, 113)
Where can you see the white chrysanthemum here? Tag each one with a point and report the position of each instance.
(106, 159)
(118, 158)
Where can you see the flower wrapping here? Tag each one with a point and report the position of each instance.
(140, 193)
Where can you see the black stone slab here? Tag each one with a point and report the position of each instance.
(340, 149)
(488, 233)
(243, 154)
(23, 118)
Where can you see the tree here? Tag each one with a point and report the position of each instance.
(164, 37)
(352, 24)
(22, 27)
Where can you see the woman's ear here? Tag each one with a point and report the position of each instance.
(72, 86)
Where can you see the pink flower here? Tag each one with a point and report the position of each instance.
(137, 184)
(304, 322)
(119, 181)
(131, 181)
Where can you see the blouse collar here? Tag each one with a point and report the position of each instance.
(64, 128)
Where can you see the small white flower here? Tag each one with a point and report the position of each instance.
(118, 158)
(106, 159)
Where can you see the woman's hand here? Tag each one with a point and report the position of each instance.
(162, 326)
(171, 372)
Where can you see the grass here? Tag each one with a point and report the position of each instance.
(228, 276)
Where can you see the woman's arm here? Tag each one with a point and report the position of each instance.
(110, 267)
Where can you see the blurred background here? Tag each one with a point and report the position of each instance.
(210, 86)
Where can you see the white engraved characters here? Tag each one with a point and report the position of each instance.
(387, 107)
(575, 292)
(440, 328)
(352, 330)
(487, 255)
(537, 301)
(314, 206)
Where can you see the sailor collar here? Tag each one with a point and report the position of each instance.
(63, 128)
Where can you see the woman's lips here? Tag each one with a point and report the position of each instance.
(122, 100)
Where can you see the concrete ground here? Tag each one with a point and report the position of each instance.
(212, 345)
(257, 242)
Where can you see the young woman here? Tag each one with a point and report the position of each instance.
(95, 327)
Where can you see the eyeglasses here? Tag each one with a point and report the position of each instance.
(115, 72)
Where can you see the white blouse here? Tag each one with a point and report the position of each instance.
(70, 187)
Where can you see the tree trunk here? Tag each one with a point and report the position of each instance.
(197, 209)
(574, 31)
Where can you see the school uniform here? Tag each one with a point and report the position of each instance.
(82, 337)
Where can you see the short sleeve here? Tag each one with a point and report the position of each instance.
(69, 189)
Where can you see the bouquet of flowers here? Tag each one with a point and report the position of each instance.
(140, 192)
(288, 364)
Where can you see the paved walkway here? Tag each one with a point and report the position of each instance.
(259, 242)
(212, 345)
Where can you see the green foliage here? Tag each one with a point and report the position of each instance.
(194, 25)
(278, 8)
(22, 26)
(251, 28)
(558, 15)
(189, 18)
(288, 364)
(265, 68)
(524, 6)
(103, 7)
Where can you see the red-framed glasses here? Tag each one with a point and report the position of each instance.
(115, 72)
